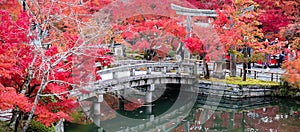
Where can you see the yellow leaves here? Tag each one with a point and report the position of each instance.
(256, 23)
(239, 41)
(237, 2)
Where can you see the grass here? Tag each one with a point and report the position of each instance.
(249, 81)
(4, 127)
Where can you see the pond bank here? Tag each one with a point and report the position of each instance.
(231, 88)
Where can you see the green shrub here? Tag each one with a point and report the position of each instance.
(286, 91)
(39, 127)
(4, 126)
(171, 53)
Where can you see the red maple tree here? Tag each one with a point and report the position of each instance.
(43, 59)
(159, 35)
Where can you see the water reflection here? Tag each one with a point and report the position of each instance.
(245, 115)
(249, 115)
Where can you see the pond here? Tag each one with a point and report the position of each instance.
(182, 111)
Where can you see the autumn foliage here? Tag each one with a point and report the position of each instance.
(42, 58)
(161, 35)
(47, 48)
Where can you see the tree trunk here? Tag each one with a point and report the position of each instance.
(249, 66)
(206, 70)
(232, 63)
(244, 71)
(245, 52)
(37, 97)
(13, 124)
(249, 62)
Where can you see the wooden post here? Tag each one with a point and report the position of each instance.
(195, 68)
(148, 70)
(272, 74)
(132, 72)
(115, 75)
(254, 74)
(164, 71)
(241, 72)
(178, 71)
(277, 78)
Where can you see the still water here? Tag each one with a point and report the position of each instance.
(201, 113)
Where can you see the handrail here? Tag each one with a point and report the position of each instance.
(136, 66)
(261, 71)
(106, 83)
(126, 62)
(255, 76)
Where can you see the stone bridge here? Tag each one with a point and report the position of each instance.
(128, 74)
(142, 78)
(124, 75)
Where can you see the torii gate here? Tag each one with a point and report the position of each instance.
(189, 12)
(218, 69)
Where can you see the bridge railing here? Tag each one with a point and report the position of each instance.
(251, 73)
(162, 67)
(130, 62)
(125, 62)
(262, 75)
(117, 78)
(187, 66)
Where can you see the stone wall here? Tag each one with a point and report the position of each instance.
(234, 91)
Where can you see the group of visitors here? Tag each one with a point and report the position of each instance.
(285, 53)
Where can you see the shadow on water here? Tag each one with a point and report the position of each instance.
(236, 115)
(160, 105)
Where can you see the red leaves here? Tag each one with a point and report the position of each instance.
(161, 35)
(15, 54)
(47, 117)
(133, 104)
(13, 31)
(210, 4)
(9, 98)
(141, 45)
(17, 51)
(194, 45)
(273, 20)
(52, 51)
(172, 27)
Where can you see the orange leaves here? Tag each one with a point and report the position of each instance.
(173, 27)
(12, 6)
(292, 34)
(293, 72)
